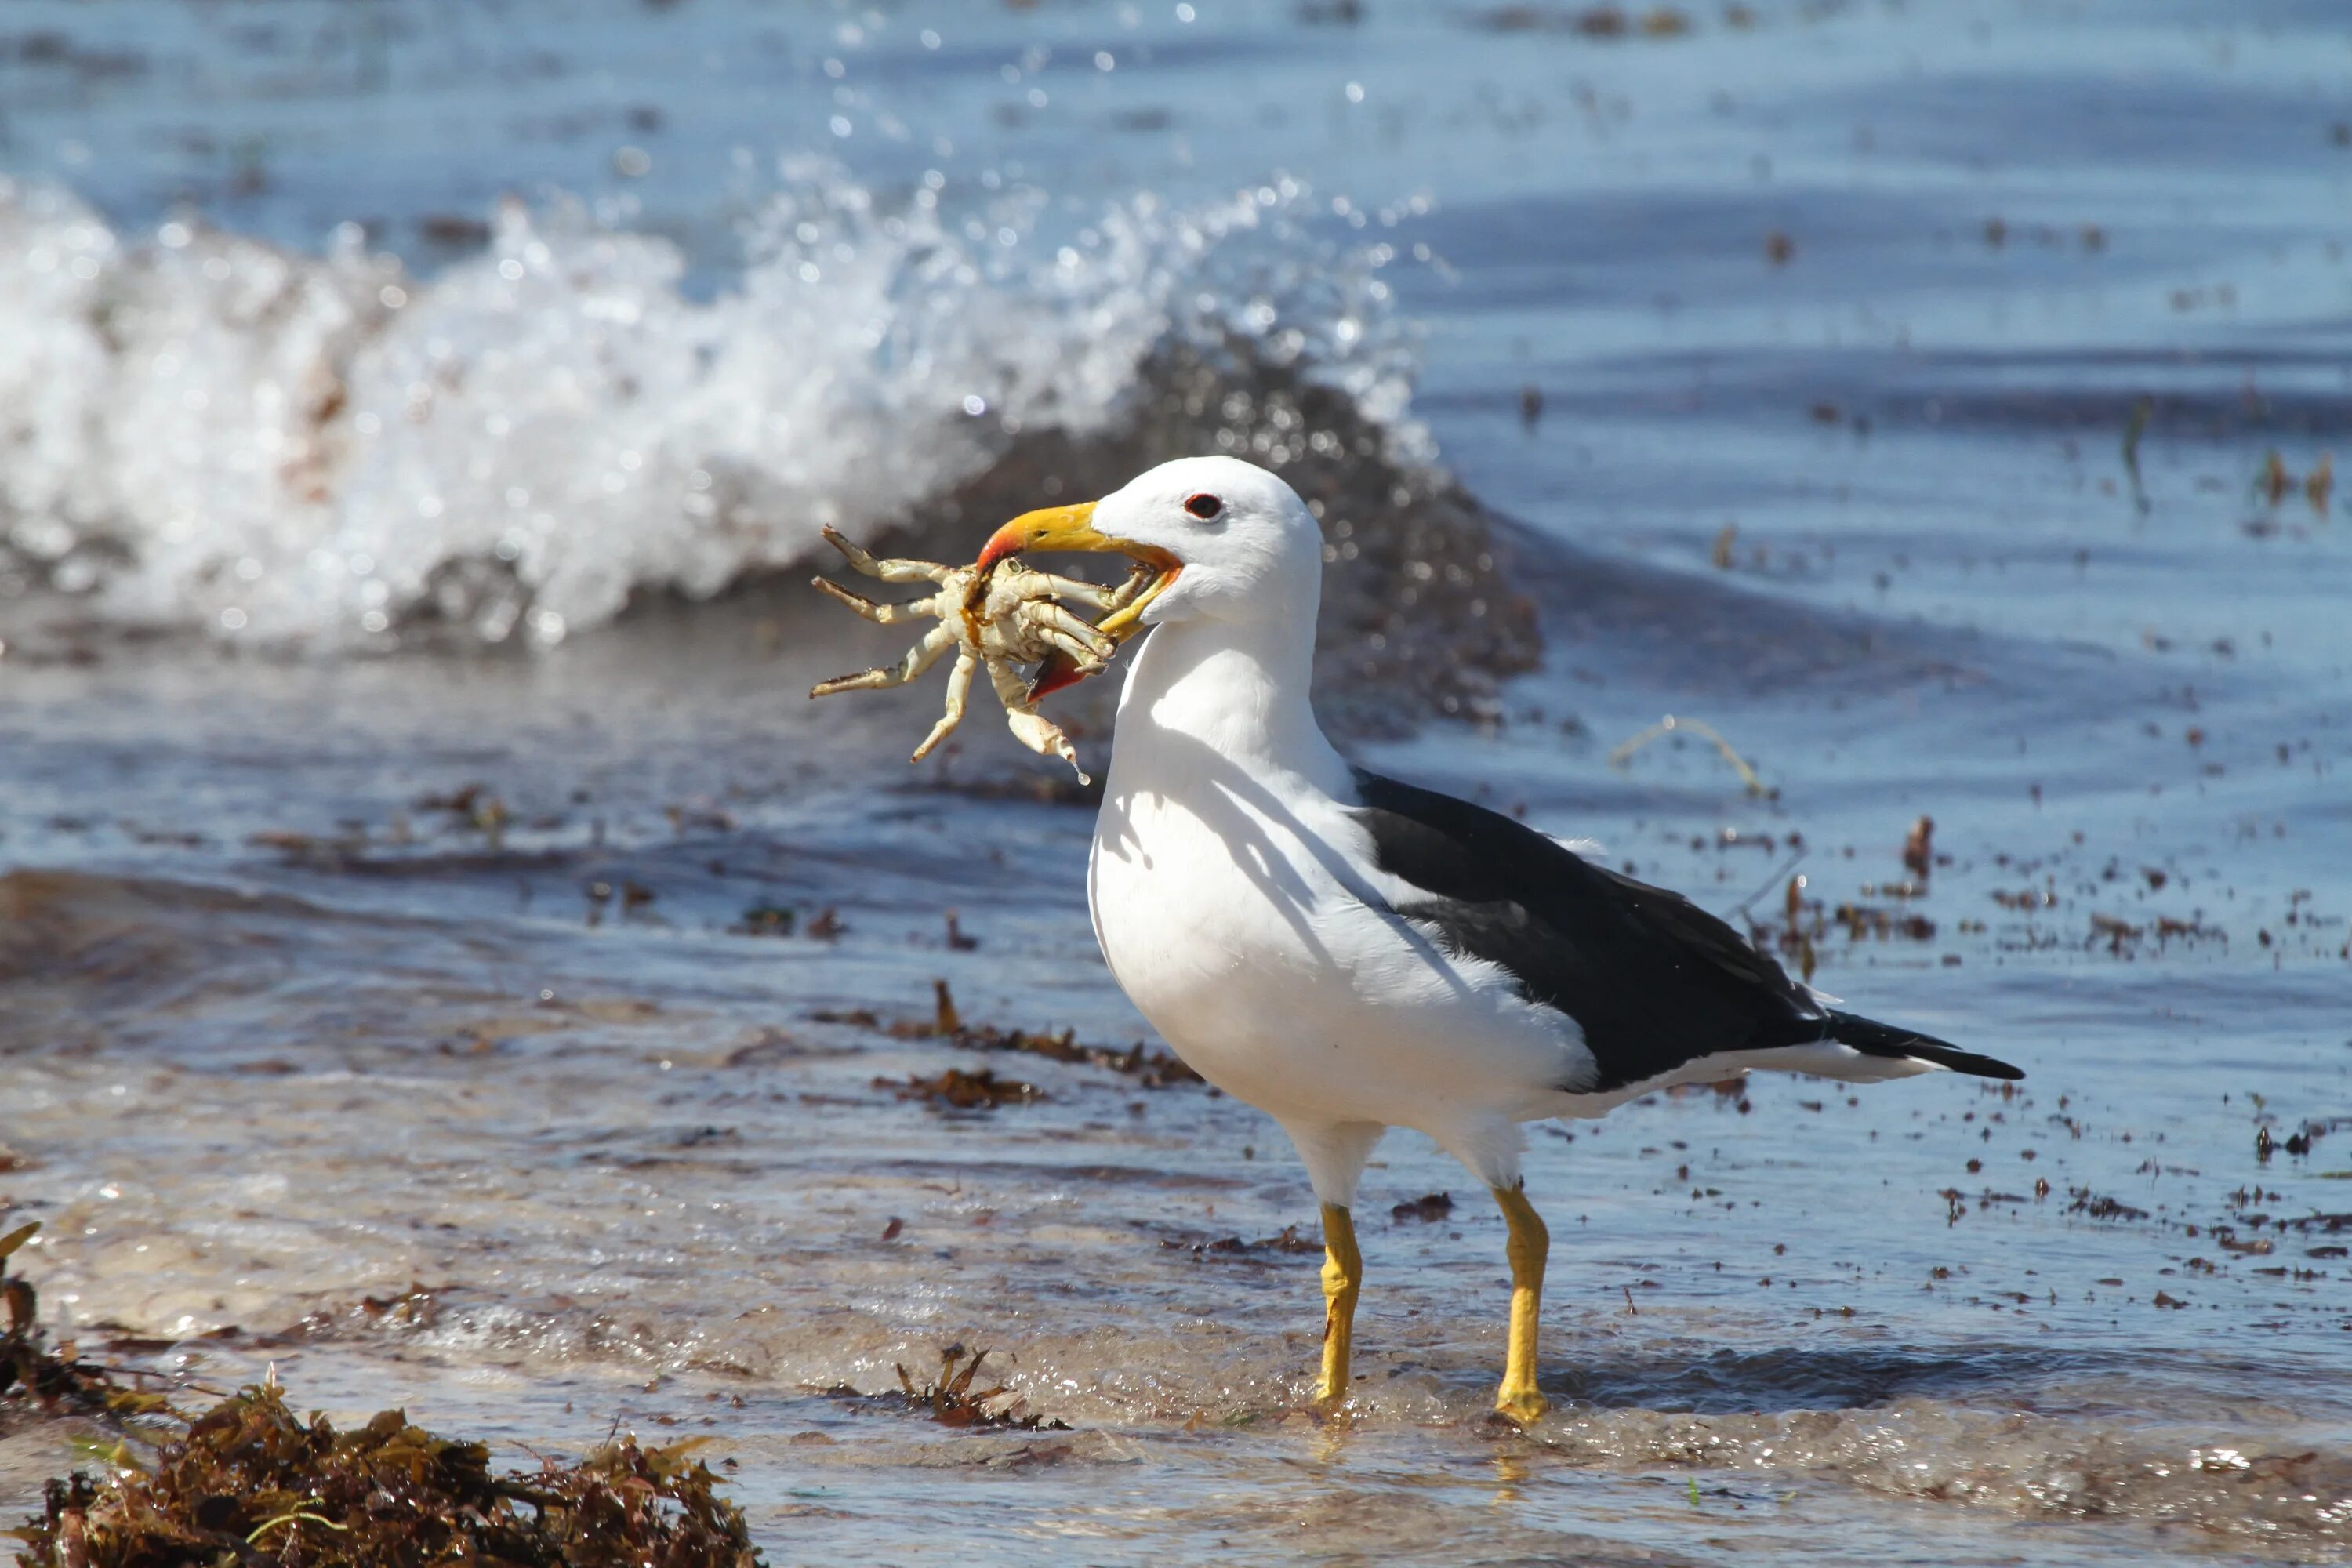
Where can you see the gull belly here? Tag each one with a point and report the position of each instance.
(1241, 925)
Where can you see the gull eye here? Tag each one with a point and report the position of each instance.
(1203, 506)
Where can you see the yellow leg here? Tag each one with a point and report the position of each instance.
(1529, 1243)
(1343, 1271)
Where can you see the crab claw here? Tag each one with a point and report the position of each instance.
(1043, 736)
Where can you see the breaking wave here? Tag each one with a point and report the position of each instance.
(201, 430)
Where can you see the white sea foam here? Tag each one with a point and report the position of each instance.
(198, 429)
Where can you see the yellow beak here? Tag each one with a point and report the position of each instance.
(1072, 527)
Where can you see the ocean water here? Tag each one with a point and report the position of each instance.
(414, 424)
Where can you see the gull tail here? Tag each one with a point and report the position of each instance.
(1873, 1038)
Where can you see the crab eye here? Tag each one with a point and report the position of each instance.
(1203, 506)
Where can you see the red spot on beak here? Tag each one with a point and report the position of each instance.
(1010, 540)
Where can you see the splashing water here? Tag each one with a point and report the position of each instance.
(208, 431)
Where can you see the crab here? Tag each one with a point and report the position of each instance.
(998, 615)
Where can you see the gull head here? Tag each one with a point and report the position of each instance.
(1226, 539)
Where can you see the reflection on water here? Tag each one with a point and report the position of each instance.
(428, 1025)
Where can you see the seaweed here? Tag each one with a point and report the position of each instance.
(251, 1484)
(58, 1381)
(960, 1090)
(1151, 1070)
(1919, 848)
(765, 918)
(2134, 428)
(1673, 725)
(951, 1403)
(246, 1483)
(1608, 22)
(1873, 920)
(2087, 1202)
(1287, 1239)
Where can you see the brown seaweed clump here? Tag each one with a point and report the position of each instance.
(951, 1403)
(57, 1381)
(956, 1089)
(251, 1485)
(1151, 1070)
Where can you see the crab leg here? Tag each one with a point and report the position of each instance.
(882, 615)
(959, 686)
(1094, 595)
(893, 570)
(1010, 690)
(1068, 632)
(919, 658)
(1029, 727)
(1079, 657)
(1126, 593)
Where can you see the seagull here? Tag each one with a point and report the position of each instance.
(1348, 952)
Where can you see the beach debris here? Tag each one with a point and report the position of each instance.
(1671, 725)
(58, 1380)
(956, 1089)
(1603, 22)
(1877, 921)
(1919, 848)
(766, 919)
(2273, 481)
(2098, 1206)
(1424, 1210)
(1287, 1239)
(951, 1403)
(250, 1483)
(1149, 1069)
(996, 618)
(2136, 426)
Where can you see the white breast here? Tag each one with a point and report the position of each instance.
(1240, 912)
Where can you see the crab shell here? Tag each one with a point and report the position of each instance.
(1010, 591)
(1004, 625)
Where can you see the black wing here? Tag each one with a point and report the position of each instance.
(1653, 980)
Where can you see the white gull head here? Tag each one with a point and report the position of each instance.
(1246, 546)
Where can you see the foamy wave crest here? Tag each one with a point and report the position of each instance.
(198, 429)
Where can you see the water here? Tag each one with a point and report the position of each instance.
(296, 1023)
